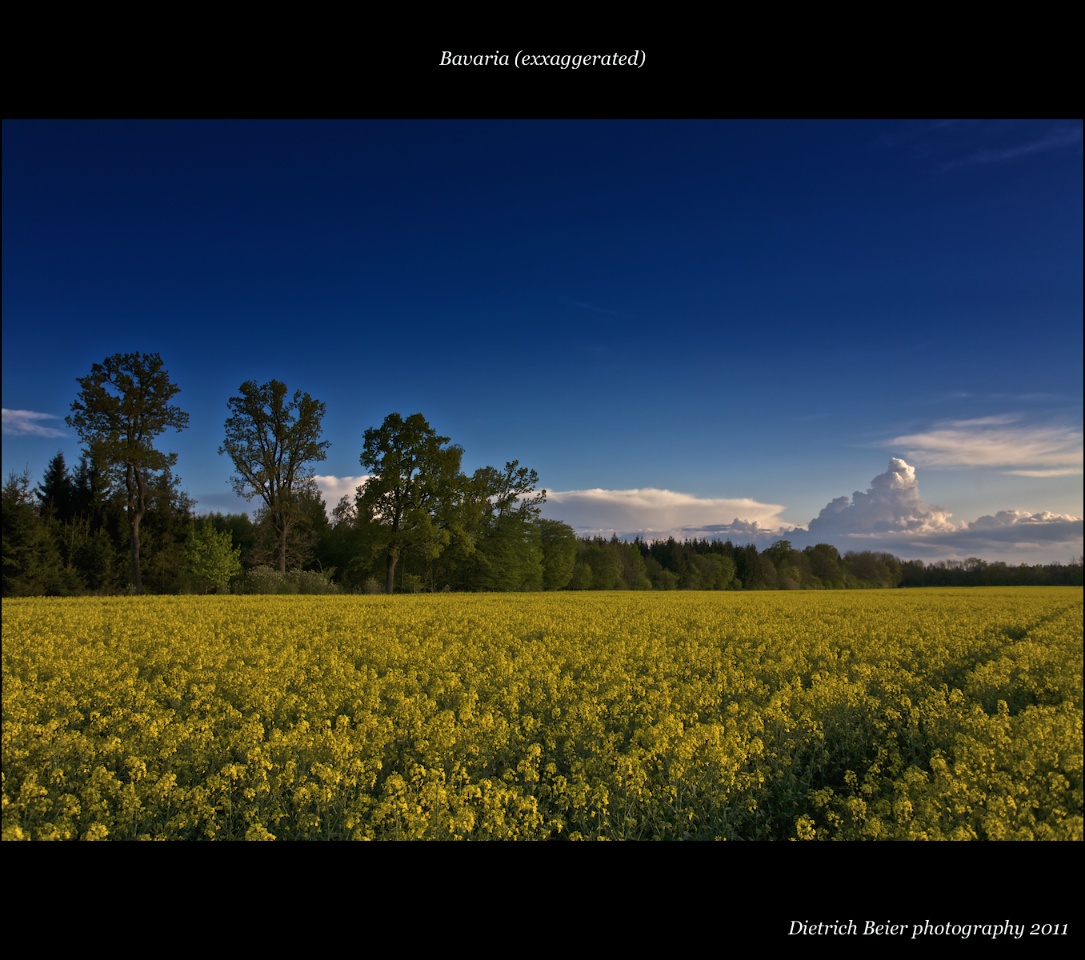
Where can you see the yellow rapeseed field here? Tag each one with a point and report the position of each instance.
(918, 714)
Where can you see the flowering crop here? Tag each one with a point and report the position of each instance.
(815, 715)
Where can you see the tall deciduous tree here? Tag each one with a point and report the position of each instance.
(500, 508)
(414, 488)
(122, 407)
(272, 442)
(509, 491)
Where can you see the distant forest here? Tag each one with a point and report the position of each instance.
(70, 535)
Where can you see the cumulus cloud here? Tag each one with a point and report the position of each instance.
(891, 505)
(1017, 526)
(1002, 441)
(657, 514)
(1017, 518)
(335, 488)
(1013, 536)
(28, 423)
(891, 516)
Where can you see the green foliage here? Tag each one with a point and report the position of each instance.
(211, 559)
(825, 566)
(414, 492)
(709, 571)
(509, 556)
(265, 579)
(582, 576)
(661, 579)
(559, 553)
(56, 493)
(165, 531)
(272, 442)
(349, 546)
(122, 407)
(98, 560)
(307, 530)
(32, 565)
(609, 565)
(868, 569)
(501, 493)
(240, 528)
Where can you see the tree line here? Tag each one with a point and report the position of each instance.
(119, 522)
(614, 564)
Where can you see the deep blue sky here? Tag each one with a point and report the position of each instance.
(700, 321)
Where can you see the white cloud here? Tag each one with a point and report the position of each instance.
(335, 488)
(1021, 525)
(891, 516)
(27, 423)
(1001, 441)
(1013, 536)
(657, 514)
(891, 505)
(740, 531)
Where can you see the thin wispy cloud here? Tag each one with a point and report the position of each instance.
(1056, 139)
(957, 144)
(998, 441)
(599, 311)
(1003, 398)
(29, 423)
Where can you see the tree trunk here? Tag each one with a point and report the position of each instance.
(137, 581)
(134, 479)
(390, 572)
(282, 550)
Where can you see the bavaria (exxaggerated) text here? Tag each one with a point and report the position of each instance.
(564, 61)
